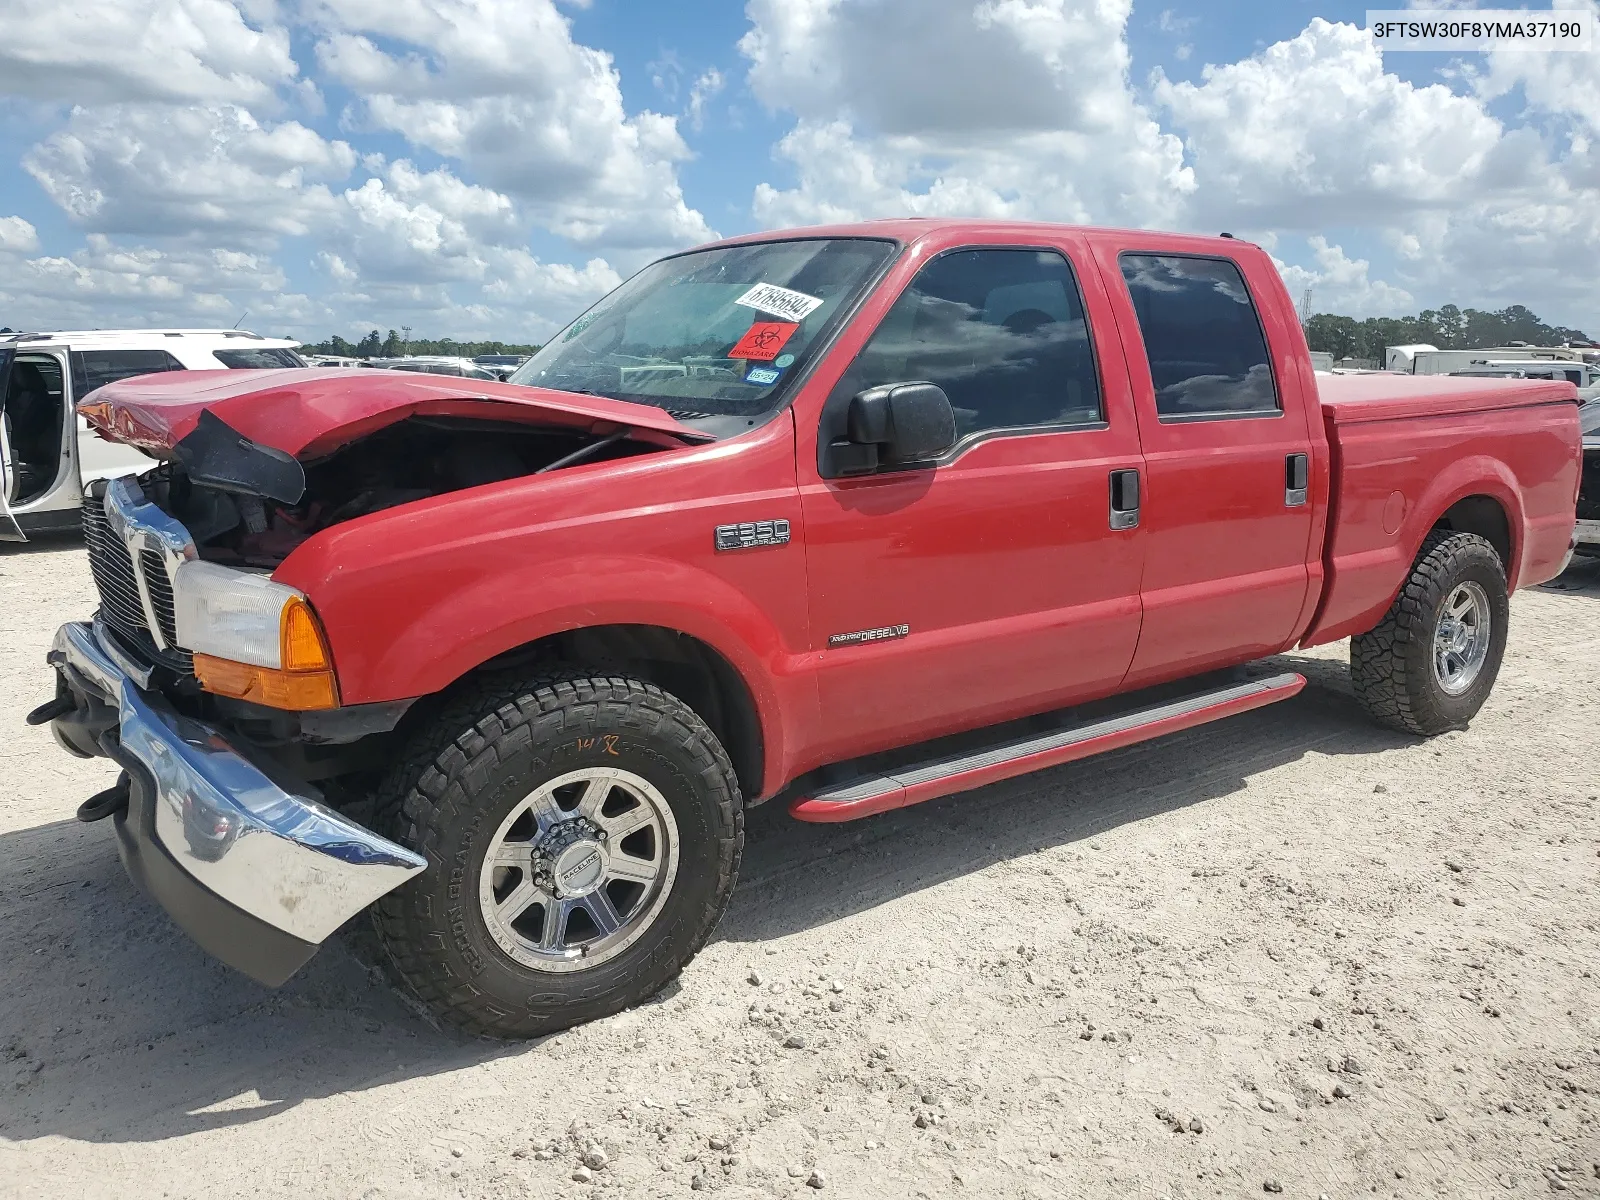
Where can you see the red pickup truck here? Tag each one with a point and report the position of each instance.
(846, 517)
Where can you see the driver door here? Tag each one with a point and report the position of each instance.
(991, 585)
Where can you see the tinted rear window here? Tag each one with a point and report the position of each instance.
(96, 368)
(1208, 356)
(258, 359)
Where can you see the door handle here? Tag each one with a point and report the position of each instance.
(1124, 499)
(1296, 479)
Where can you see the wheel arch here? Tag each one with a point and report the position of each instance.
(1485, 516)
(688, 667)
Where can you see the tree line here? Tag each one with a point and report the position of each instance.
(1448, 328)
(375, 345)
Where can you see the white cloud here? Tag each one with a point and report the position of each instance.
(1313, 132)
(17, 236)
(500, 86)
(1565, 83)
(425, 226)
(706, 88)
(118, 50)
(156, 169)
(1052, 130)
(105, 283)
(1340, 284)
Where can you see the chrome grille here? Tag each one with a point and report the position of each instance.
(112, 567)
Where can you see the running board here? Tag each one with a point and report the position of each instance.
(940, 777)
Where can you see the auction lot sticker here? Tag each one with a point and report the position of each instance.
(780, 301)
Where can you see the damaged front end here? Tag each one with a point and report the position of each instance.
(251, 505)
(213, 685)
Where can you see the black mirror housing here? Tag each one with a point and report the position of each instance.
(906, 422)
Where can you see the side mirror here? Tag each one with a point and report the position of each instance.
(897, 424)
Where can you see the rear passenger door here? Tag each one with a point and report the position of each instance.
(1223, 423)
(991, 583)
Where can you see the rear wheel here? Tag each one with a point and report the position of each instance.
(582, 834)
(1430, 664)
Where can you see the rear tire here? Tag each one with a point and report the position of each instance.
(618, 819)
(1430, 664)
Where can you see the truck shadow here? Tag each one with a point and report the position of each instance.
(43, 543)
(118, 1029)
(797, 875)
(1581, 578)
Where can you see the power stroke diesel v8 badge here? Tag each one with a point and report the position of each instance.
(886, 634)
(750, 534)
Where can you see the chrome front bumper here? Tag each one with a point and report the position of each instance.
(277, 858)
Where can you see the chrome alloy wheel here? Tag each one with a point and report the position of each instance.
(1461, 638)
(579, 869)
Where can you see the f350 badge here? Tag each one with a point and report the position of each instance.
(750, 534)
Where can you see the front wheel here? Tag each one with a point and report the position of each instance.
(583, 834)
(1430, 663)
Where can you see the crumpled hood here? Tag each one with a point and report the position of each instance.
(308, 413)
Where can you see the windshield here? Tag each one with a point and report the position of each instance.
(713, 332)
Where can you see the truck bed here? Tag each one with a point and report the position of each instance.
(1405, 448)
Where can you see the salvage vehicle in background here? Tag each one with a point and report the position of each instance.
(48, 451)
(842, 518)
(459, 368)
(1588, 535)
(1582, 376)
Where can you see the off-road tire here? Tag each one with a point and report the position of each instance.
(1391, 665)
(465, 771)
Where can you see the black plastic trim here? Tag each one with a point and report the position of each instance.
(246, 943)
(1248, 414)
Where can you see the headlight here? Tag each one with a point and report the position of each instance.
(253, 639)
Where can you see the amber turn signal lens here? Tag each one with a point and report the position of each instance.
(304, 683)
(297, 691)
(304, 648)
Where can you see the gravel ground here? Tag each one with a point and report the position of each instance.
(1286, 952)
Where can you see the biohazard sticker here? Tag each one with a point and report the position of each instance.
(780, 301)
(762, 341)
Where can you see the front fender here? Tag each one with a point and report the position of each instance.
(415, 598)
(470, 626)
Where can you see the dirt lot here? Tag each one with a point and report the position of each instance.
(1286, 951)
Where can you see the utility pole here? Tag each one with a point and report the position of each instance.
(405, 346)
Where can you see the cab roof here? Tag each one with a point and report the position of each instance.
(914, 229)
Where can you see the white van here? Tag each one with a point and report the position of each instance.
(1423, 359)
(47, 453)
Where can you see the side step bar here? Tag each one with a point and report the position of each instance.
(941, 777)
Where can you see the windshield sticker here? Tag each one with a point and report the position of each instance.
(579, 326)
(763, 340)
(763, 376)
(780, 301)
(783, 360)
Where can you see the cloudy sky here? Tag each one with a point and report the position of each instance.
(484, 168)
